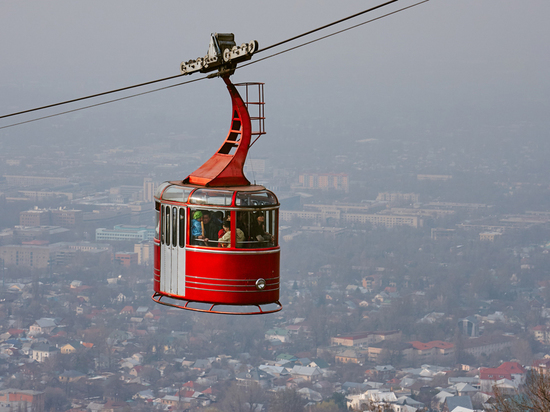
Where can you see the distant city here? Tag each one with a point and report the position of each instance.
(404, 283)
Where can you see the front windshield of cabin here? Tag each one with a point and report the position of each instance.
(262, 198)
(212, 197)
(159, 190)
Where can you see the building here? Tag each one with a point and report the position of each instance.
(324, 181)
(149, 188)
(511, 371)
(258, 166)
(56, 217)
(487, 344)
(44, 181)
(437, 351)
(43, 351)
(284, 335)
(41, 195)
(17, 399)
(35, 217)
(42, 326)
(434, 178)
(469, 326)
(439, 233)
(126, 259)
(23, 234)
(67, 217)
(350, 356)
(126, 232)
(397, 197)
(36, 257)
(388, 351)
(385, 220)
(365, 338)
(62, 253)
(541, 333)
(144, 251)
(489, 236)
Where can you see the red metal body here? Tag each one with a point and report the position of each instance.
(233, 274)
(225, 167)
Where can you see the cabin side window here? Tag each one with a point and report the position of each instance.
(206, 226)
(174, 226)
(182, 227)
(162, 228)
(167, 226)
(157, 220)
(259, 228)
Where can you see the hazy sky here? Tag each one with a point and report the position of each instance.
(446, 67)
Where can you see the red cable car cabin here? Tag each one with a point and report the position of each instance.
(216, 243)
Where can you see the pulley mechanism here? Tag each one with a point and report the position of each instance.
(223, 55)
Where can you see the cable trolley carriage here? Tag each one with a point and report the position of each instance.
(216, 244)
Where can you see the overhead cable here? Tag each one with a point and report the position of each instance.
(202, 78)
(102, 103)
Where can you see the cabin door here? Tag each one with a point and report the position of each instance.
(172, 278)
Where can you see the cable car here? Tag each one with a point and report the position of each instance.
(216, 241)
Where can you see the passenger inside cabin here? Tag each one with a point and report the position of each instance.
(258, 232)
(225, 240)
(243, 224)
(221, 232)
(211, 228)
(197, 229)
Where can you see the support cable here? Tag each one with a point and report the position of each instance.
(205, 77)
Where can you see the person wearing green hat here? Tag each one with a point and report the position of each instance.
(197, 228)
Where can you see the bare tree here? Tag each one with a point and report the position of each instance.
(243, 398)
(287, 400)
(533, 396)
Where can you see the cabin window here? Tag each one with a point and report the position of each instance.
(157, 220)
(182, 227)
(176, 194)
(254, 199)
(163, 228)
(259, 228)
(160, 189)
(206, 226)
(212, 197)
(167, 220)
(175, 226)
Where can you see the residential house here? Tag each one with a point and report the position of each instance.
(127, 310)
(488, 344)
(42, 326)
(542, 365)
(70, 376)
(541, 333)
(72, 347)
(371, 397)
(306, 373)
(43, 351)
(14, 399)
(437, 351)
(255, 376)
(276, 371)
(365, 338)
(318, 363)
(278, 334)
(389, 351)
(511, 371)
(350, 356)
(453, 402)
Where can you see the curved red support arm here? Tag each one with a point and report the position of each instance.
(225, 167)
